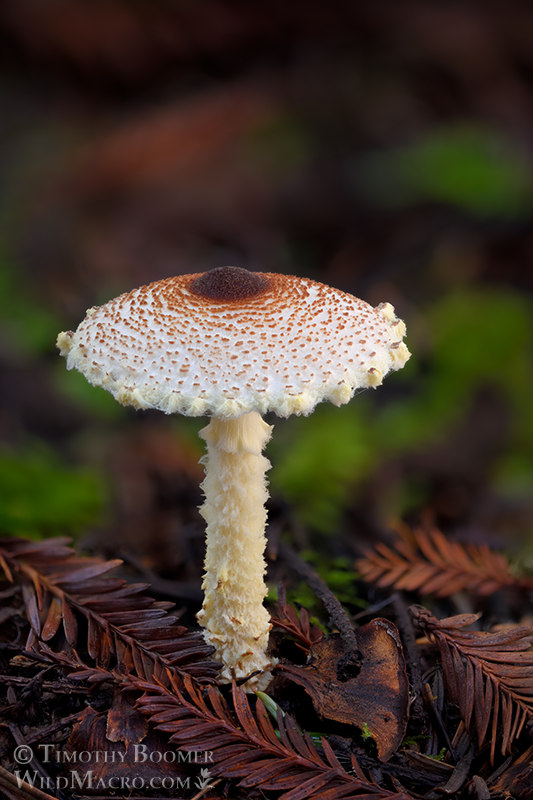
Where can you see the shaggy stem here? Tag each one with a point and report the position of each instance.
(235, 620)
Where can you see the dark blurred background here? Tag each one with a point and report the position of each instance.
(385, 148)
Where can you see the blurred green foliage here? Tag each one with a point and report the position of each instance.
(468, 340)
(28, 326)
(31, 330)
(41, 496)
(93, 400)
(465, 166)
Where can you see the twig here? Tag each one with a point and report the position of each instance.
(16, 787)
(47, 686)
(33, 762)
(337, 614)
(407, 630)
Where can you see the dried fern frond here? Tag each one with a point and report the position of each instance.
(488, 674)
(109, 630)
(76, 603)
(297, 624)
(235, 734)
(426, 561)
(244, 745)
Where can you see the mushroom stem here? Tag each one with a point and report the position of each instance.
(235, 620)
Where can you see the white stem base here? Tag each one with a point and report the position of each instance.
(235, 620)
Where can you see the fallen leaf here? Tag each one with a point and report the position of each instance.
(367, 688)
(124, 723)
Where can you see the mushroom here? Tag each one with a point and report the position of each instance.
(234, 345)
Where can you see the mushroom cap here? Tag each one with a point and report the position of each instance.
(229, 341)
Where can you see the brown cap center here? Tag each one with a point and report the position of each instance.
(229, 283)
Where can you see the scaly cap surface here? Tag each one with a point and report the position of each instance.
(230, 341)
